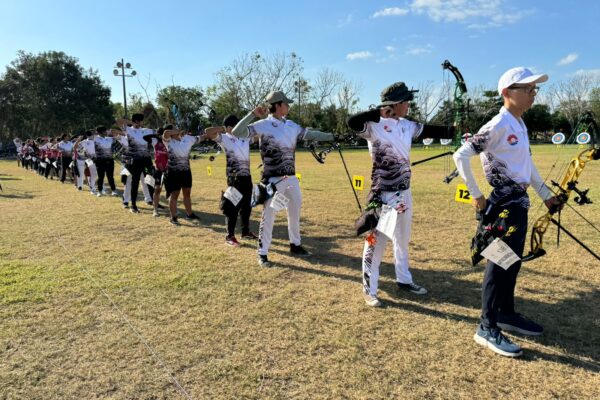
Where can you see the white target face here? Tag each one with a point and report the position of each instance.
(445, 142)
(427, 142)
(583, 138)
(558, 138)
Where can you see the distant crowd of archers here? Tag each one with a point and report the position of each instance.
(160, 158)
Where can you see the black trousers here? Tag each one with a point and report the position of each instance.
(106, 166)
(136, 167)
(244, 185)
(498, 289)
(64, 166)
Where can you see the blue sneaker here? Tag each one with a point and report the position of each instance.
(494, 340)
(520, 324)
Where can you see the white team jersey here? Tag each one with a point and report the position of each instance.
(89, 148)
(179, 152)
(66, 148)
(237, 152)
(137, 147)
(503, 147)
(103, 147)
(277, 142)
(389, 143)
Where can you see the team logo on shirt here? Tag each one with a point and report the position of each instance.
(512, 140)
(387, 128)
(274, 124)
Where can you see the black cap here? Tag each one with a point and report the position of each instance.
(100, 129)
(137, 117)
(230, 120)
(396, 93)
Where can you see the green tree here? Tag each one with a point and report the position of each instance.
(50, 93)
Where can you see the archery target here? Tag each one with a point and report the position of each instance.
(427, 142)
(583, 138)
(558, 138)
(445, 142)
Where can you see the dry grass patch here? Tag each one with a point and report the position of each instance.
(226, 328)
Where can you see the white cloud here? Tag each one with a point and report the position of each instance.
(418, 50)
(359, 55)
(478, 14)
(391, 12)
(568, 59)
(390, 49)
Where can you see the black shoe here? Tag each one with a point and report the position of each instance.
(160, 206)
(191, 216)
(263, 261)
(125, 205)
(411, 287)
(174, 221)
(299, 250)
(134, 210)
(249, 236)
(518, 323)
(149, 203)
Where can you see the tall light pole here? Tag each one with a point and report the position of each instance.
(121, 64)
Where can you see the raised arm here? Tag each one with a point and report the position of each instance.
(357, 121)
(241, 129)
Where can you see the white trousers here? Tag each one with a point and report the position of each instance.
(127, 188)
(91, 179)
(373, 253)
(290, 187)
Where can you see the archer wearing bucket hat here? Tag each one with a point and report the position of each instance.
(396, 93)
(389, 136)
(278, 138)
(503, 146)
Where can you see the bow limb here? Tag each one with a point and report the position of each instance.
(565, 188)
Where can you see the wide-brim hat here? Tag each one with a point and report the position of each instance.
(396, 93)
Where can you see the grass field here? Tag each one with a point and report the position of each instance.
(98, 303)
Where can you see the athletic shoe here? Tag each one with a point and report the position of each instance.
(149, 202)
(263, 261)
(191, 217)
(372, 301)
(155, 213)
(174, 221)
(125, 205)
(299, 250)
(161, 206)
(114, 193)
(134, 210)
(411, 287)
(494, 340)
(520, 324)
(98, 194)
(232, 241)
(249, 236)
(79, 188)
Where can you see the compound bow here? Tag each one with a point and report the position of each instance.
(460, 107)
(567, 185)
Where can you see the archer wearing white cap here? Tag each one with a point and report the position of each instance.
(503, 146)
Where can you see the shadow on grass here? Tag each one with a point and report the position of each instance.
(571, 324)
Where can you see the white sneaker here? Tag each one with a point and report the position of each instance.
(114, 193)
(372, 301)
(155, 213)
(99, 194)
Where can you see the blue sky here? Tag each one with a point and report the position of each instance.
(372, 42)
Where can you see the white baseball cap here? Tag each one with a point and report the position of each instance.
(520, 75)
